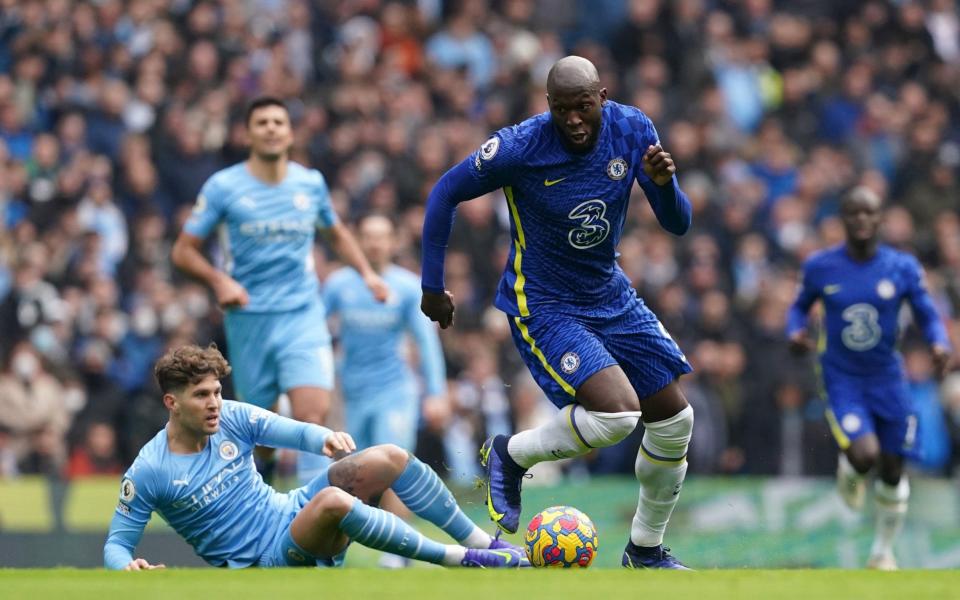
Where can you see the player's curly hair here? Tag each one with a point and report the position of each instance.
(187, 365)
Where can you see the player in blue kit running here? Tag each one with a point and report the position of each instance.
(862, 285)
(198, 474)
(592, 345)
(267, 210)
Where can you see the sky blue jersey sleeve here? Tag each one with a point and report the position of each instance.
(670, 205)
(485, 170)
(136, 504)
(326, 215)
(266, 428)
(806, 296)
(424, 332)
(924, 310)
(208, 210)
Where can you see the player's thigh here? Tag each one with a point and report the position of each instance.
(561, 352)
(316, 527)
(252, 357)
(648, 355)
(894, 418)
(305, 358)
(847, 414)
(309, 404)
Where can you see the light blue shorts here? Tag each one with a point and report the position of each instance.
(273, 352)
(389, 415)
(282, 550)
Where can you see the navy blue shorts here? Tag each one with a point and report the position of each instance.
(563, 350)
(878, 404)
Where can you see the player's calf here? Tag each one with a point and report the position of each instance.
(660, 468)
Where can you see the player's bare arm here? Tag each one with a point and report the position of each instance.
(187, 255)
(347, 248)
(439, 307)
(658, 165)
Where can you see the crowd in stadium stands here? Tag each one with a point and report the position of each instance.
(112, 114)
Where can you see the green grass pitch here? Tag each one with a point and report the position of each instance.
(460, 584)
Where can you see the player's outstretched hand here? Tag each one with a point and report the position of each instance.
(800, 343)
(377, 286)
(658, 165)
(338, 444)
(941, 360)
(141, 564)
(439, 307)
(229, 292)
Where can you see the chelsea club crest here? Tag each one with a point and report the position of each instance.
(617, 169)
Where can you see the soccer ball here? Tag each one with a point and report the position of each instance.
(561, 536)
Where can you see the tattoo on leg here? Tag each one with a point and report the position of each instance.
(343, 475)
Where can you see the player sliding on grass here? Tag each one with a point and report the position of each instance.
(593, 346)
(198, 475)
(863, 285)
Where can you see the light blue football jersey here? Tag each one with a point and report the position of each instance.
(214, 499)
(266, 232)
(372, 333)
(862, 303)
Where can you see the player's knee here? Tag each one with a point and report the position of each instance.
(863, 458)
(332, 501)
(669, 438)
(602, 429)
(393, 457)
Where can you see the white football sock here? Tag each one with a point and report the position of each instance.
(572, 431)
(661, 466)
(891, 501)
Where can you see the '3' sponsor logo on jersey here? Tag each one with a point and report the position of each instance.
(593, 229)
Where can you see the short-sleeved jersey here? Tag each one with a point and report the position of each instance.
(372, 333)
(266, 232)
(862, 302)
(214, 499)
(566, 210)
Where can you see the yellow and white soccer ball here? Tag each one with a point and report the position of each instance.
(561, 536)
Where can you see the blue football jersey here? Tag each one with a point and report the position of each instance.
(214, 499)
(862, 302)
(566, 210)
(266, 232)
(372, 333)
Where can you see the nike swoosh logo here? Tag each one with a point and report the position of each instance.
(549, 182)
(831, 289)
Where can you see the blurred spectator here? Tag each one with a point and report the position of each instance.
(113, 114)
(97, 454)
(32, 411)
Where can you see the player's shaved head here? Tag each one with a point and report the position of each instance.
(861, 214)
(576, 102)
(572, 74)
(861, 195)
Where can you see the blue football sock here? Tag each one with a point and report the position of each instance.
(421, 490)
(381, 530)
(310, 465)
